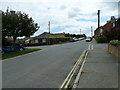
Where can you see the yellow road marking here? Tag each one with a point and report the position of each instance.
(70, 75)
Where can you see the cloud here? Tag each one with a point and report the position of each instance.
(65, 15)
(73, 12)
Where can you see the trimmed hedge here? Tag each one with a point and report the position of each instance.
(54, 40)
(115, 42)
(101, 39)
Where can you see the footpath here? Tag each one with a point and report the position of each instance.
(100, 69)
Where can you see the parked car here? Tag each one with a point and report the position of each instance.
(6, 49)
(82, 38)
(72, 40)
(88, 39)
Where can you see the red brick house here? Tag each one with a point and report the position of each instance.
(111, 29)
(106, 28)
(98, 31)
(109, 25)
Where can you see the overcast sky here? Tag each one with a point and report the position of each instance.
(67, 16)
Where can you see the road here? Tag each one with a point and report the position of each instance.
(42, 69)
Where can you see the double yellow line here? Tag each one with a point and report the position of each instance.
(66, 82)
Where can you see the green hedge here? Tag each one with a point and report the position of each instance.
(54, 40)
(101, 39)
(115, 42)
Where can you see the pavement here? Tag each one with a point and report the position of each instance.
(100, 69)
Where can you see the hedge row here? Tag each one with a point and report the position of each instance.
(54, 40)
(101, 39)
(115, 42)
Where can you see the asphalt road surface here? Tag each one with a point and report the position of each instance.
(42, 69)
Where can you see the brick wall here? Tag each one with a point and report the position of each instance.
(114, 50)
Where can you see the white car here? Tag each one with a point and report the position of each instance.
(88, 39)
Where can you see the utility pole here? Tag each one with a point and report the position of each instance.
(98, 18)
(49, 33)
(80, 31)
(49, 26)
(91, 31)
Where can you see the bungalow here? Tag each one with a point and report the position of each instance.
(42, 38)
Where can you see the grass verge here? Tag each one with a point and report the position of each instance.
(17, 53)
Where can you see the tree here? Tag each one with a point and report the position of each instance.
(17, 24)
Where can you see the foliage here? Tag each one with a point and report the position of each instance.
(115, 42)
(74, 35)
(17, 24)
(54, 40)
(101, 39)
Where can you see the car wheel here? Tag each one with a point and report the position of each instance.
(21, 49)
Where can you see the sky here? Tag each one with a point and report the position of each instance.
(69, 16)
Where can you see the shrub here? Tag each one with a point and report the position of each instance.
(101, 39)
(115, 42)
(54, 40)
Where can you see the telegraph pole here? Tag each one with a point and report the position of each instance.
(49, 32)
(98, 18)
(80, 31)
(91, 31)
(49, 26)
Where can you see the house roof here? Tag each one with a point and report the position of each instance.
(46, 34)
(59, 35)
(10, 38)
(29, 38)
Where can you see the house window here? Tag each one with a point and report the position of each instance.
(44, 41)
(36, 41)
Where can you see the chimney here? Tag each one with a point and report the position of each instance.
(112, 19)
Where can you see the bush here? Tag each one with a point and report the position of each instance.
(115, 42)
(101, 39)
(54, 40)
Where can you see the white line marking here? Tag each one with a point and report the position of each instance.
(92, 47)
(89, 46)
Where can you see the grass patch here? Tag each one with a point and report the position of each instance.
(17, 53)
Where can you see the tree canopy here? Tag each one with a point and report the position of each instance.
(17, 24)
